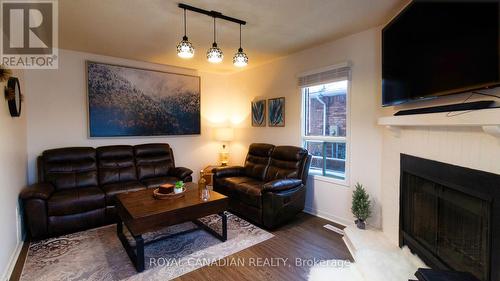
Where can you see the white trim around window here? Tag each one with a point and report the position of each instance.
(320, 177)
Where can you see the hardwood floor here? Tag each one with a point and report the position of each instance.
(18, 268)
(305, 239)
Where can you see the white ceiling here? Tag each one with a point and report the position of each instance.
(148, 30)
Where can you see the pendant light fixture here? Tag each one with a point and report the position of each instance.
(240, 59)
(214, 54)
(185, 49)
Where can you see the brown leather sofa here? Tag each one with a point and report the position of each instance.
(270, 188)
(77, 186)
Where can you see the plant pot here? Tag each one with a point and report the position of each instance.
(360, 224)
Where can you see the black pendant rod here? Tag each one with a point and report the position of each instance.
(215, 38)
(213, 14)
(185, 23)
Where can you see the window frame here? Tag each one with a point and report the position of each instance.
(346, 139)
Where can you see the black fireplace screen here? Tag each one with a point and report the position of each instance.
(448, 224)
(452, 225)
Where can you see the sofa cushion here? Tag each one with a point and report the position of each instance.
(153, 160)
(116, 164)
(245, 189)
(155, 182)
(257, 160)
(226, 185)
(77, 200)
(112, 189)
(286, 162)
(72, 167)
(70, 223)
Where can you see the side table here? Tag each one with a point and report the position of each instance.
(208, 174)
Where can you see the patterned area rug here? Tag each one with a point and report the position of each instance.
(97, 254)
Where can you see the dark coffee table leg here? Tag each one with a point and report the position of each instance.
(224, 226)
(139, 260)
(221, 236)
(137, 256)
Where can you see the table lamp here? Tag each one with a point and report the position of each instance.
(224, 135)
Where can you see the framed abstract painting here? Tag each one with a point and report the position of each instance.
(259, 113)
(125, 101)
(276, 112)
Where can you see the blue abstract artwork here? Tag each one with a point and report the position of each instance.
(259, 113)
(125, 101)
(276, 111)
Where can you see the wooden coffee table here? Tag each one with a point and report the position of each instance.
(142, 213)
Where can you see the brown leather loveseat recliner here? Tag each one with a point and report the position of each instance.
(270, 188)
(77, 186)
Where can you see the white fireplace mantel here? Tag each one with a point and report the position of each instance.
(487, 119)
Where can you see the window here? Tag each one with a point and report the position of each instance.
(325, 125)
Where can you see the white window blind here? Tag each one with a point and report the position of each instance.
(329, 75)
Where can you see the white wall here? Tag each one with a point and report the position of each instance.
(12, 180)
(57, 115)
(279, 78)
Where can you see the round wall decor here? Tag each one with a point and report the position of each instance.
(13, 96)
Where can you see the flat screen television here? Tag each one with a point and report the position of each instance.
(435, 48)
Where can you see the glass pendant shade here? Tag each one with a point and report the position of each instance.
(185, 49)
(240, 59)
(214, 54)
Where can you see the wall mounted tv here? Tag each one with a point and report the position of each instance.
(435, 48)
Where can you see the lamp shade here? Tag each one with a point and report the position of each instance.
(224, 134)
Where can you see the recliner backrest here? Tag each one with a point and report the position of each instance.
(71, 167)
(286, 162)
(153, 160)
(257, 160)
(116, 164)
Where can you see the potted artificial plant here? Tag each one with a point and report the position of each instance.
(178, 187)
(360, 206)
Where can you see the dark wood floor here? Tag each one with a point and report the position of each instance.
(18, 268)
(305, 239)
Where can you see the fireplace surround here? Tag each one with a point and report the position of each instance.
(450, 216)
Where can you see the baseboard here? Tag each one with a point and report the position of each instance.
(327, 216)
(349, 246)
(12, 261)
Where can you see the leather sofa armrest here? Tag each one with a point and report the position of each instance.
(281, 185)
(182, 172)
(37, 191)
(231, 171)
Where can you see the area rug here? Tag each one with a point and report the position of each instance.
(97, 254)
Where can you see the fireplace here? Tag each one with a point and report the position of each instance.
(449, 216)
